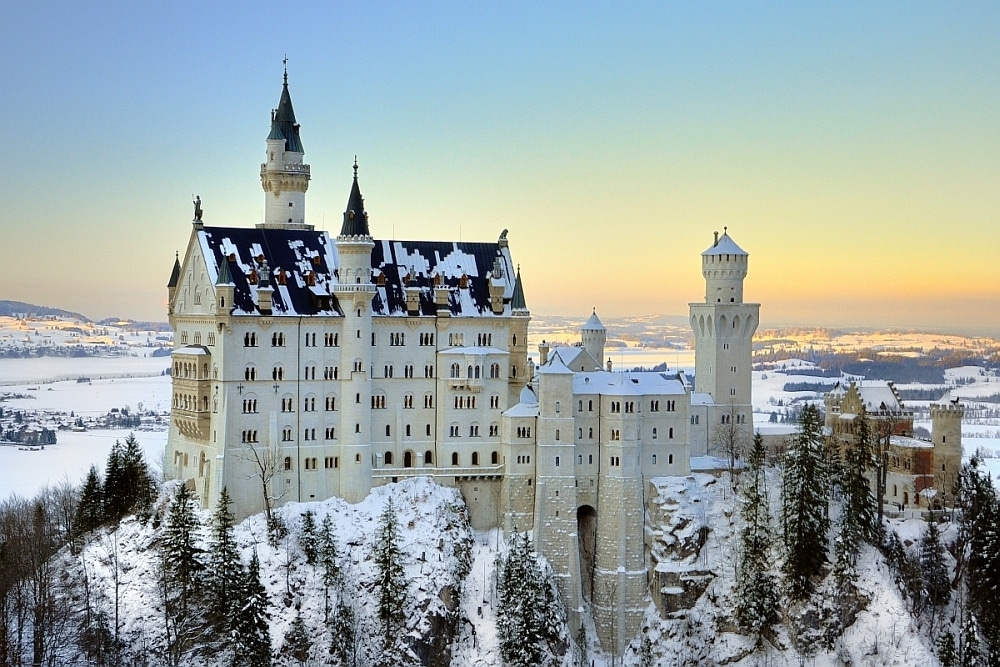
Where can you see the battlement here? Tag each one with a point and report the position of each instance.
(947, 411)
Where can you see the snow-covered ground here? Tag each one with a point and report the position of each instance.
(26, 472)
(50, 369)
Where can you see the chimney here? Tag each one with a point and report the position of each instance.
(609, 364)
(543, 353)
(716, 239)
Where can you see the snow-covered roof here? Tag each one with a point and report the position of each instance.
(725, 246)
(554, 366)
(192, 350)
(528, 396)
(627, 384)
(304, 265)
(701, 398)
(878, 395)
(522, 410)
(910, 443)
(593, 323)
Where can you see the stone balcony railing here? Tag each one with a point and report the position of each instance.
(288, 169)
(491, 471)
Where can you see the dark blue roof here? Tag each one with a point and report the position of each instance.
(304, 263)
(283, 123)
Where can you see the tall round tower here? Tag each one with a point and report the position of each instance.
(284, 177)
(594, 336)
(723, 331)
(355, 291)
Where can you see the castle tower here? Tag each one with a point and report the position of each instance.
(619, 572)
(946, 434)
(593, 335)
(520, 368)
(555, 495)
(284, 177)
(355, 291)
(723, 330)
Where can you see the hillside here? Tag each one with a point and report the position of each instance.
(691, 528)
(21, 309)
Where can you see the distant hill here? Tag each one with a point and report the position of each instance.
(21, 309)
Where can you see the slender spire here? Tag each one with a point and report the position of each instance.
(225, 275)
(355, 218)
(283, 125)
(517, 300)
(175, 273)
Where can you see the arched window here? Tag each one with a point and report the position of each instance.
(475, 458)
(454, 458)
(495, 458)
(288, 463)
(388, 458)
(428, 458)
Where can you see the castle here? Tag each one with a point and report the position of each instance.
(308, 366)
(919, 473)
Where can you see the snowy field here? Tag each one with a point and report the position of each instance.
(26, 472)
(51, 369)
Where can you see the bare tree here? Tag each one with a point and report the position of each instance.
(266, 462)
(731, 440)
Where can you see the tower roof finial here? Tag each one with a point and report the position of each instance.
(284, 61)
(355, 167)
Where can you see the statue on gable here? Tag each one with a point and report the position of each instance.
(197, 208)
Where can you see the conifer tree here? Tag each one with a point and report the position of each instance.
(224, 566)
(933, 569)
(343, 634)
(136, 479)
(90, 510)
(946, 652)
(115, 495)
(182, 555)
(250, 635)
(392, 594)
(530, 619)
(804, 517)
(308, 540)
(297, 642)
(979, 548)
(329, 559)
(860, 513)
(756, 594)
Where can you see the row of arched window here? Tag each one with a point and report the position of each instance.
(189, 370)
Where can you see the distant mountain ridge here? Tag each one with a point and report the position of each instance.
(22, 309)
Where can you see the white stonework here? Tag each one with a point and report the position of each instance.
(354, 362)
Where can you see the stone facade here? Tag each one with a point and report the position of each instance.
(308, 365)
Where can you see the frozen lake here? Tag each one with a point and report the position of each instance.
(25, 472)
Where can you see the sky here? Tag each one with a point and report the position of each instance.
(853, 149)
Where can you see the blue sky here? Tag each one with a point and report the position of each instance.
(852, 148)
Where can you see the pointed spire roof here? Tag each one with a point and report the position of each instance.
(225, 275)
(355, 218)
(283, 125)
(517, 300)
(724, 245)
(594, 323)
(175, 273)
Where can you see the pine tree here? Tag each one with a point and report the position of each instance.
(308, 540)
(343, 633)
(946, 651)
(979, 548)
(756, 593)
(804, 517)
(860, 521)
(329, 559)
(391, 580)
(137, 481)
(934, 571)
(182, 555)
(90, 510)
(297, 642)
(530, 618)
(250, 636)
(224, 566)
(115, 494)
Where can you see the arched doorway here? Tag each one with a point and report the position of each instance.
(408, 459)
(586, 526)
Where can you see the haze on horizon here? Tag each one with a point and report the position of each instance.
(850, 149)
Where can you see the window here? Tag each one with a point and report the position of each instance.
(428, 401)
(590, 459)
(286, 435)
(250, 373)
(454, 458)
(495, 458)
(654, 459)
(408, 402)
(331, 403)
(310, 463)
(670, 459)
(428, 429)
(453, 431)
(670, 433)
(331, 340)
(616, 407)
(654, 406)
(397, 339)
(428, 371)
(426, 339)
(408, 371)
(249, 405)
(309, 404)
(494, 430)
(331, 433)
(330, 462)
(654, 433)
(616, 461)
(288, 463)
(475, 458)
(494, 402)
(428, 457)
(388, 371)
(474, 431)
(616, 434)
(557, 465)
(250, 339)
(378, 402)
(455, 370)
(407, 430)
(277, 373)
(277, 339)
(373, 339)
(557, 434)
(388, 430)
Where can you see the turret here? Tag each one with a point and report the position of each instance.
(724, 267)
(284, 177)
(593, 335)
(946, 434)
(355, 291)
(175, 276)
(224, 289)
(264, 290)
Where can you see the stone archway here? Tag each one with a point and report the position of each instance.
(586, 527)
